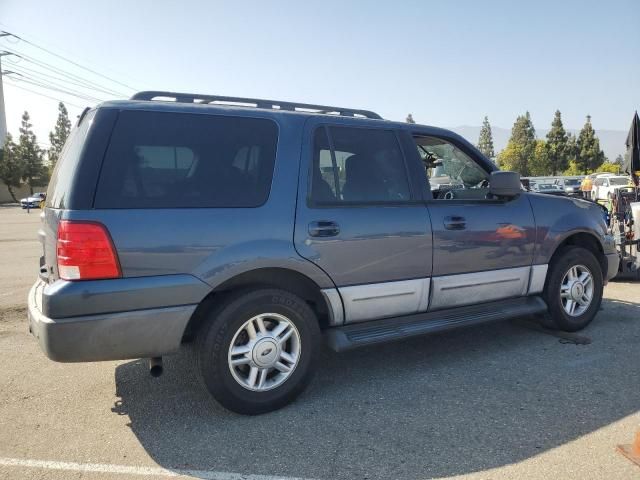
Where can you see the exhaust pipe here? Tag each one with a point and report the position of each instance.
(155, 366)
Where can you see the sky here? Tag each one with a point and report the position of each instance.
(448, 63)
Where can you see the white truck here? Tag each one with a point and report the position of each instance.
(604, 186)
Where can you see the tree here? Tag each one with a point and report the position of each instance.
(619, 160)
(588, 154)
(410, 119)
(521, 146)
(539, 162)
(572, 164)
(608, 167)
(557, 145)
(59, 134)
(485, 141)
(10, 166)
(30, 155)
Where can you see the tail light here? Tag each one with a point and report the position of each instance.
(85, 251)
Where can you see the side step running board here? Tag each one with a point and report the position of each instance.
(397, 328)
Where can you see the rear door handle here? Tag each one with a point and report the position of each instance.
(323, 228)
(455, 222)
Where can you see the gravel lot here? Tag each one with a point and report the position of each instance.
(501, 401)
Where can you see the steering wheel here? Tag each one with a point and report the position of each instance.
(449, 195)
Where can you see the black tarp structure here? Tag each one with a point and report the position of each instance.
(632, 162)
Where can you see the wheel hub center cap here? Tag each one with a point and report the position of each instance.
(577, 291)
(265, 352)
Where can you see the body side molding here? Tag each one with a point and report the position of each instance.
(470, 288)
(537, 278)
(379, 300)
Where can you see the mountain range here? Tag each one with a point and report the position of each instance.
(612, 142)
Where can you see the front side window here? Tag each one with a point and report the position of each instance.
(177, 160)
(364, 166)
(451, 173)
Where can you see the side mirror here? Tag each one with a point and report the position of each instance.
(505, 184)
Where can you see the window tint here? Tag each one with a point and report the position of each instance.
(450, 170)
(60, 182)
(175, 160)
(366, 165)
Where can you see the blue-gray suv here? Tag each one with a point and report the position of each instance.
(256, 230)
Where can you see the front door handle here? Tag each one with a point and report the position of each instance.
(455, 222)
(323, 228)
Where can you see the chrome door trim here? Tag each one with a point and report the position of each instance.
(387, 299)
(537, 279)
(479, 287)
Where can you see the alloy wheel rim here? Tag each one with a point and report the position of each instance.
(576, 290)
(264, 352)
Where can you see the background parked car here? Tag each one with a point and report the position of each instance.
(33, 201)
(604, 186)
(570, 185)
(548, 188)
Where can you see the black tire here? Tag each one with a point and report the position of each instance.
(557, 318)
(214, 341)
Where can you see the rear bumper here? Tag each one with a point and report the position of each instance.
(112, 336)
(613, 265)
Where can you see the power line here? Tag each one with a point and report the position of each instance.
(59, 71)
(72, 93)
(41, 94)
(41, 76)
(67, 60)
(78, 82)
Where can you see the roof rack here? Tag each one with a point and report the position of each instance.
(252, 102)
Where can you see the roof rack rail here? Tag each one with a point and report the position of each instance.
(252, 102)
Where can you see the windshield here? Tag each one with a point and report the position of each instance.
(571, 182)
(619, 181)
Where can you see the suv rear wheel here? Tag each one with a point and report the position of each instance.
(573, 291)
(259, 350)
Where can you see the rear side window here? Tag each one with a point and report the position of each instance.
(169, 160)
(60, 183)
(357, 165)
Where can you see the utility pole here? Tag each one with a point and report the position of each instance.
(3, 115)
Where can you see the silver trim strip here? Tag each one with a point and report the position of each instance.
(470, 285)
(469, 288)
(388, 299)
(537, 278)
(336, 311)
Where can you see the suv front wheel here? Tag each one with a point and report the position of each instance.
(258, 351)
(573, 291)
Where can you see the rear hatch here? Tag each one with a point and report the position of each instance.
(65, 175)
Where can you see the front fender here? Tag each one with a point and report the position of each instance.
(558, 218)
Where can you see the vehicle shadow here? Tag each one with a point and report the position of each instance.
(444, 405)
